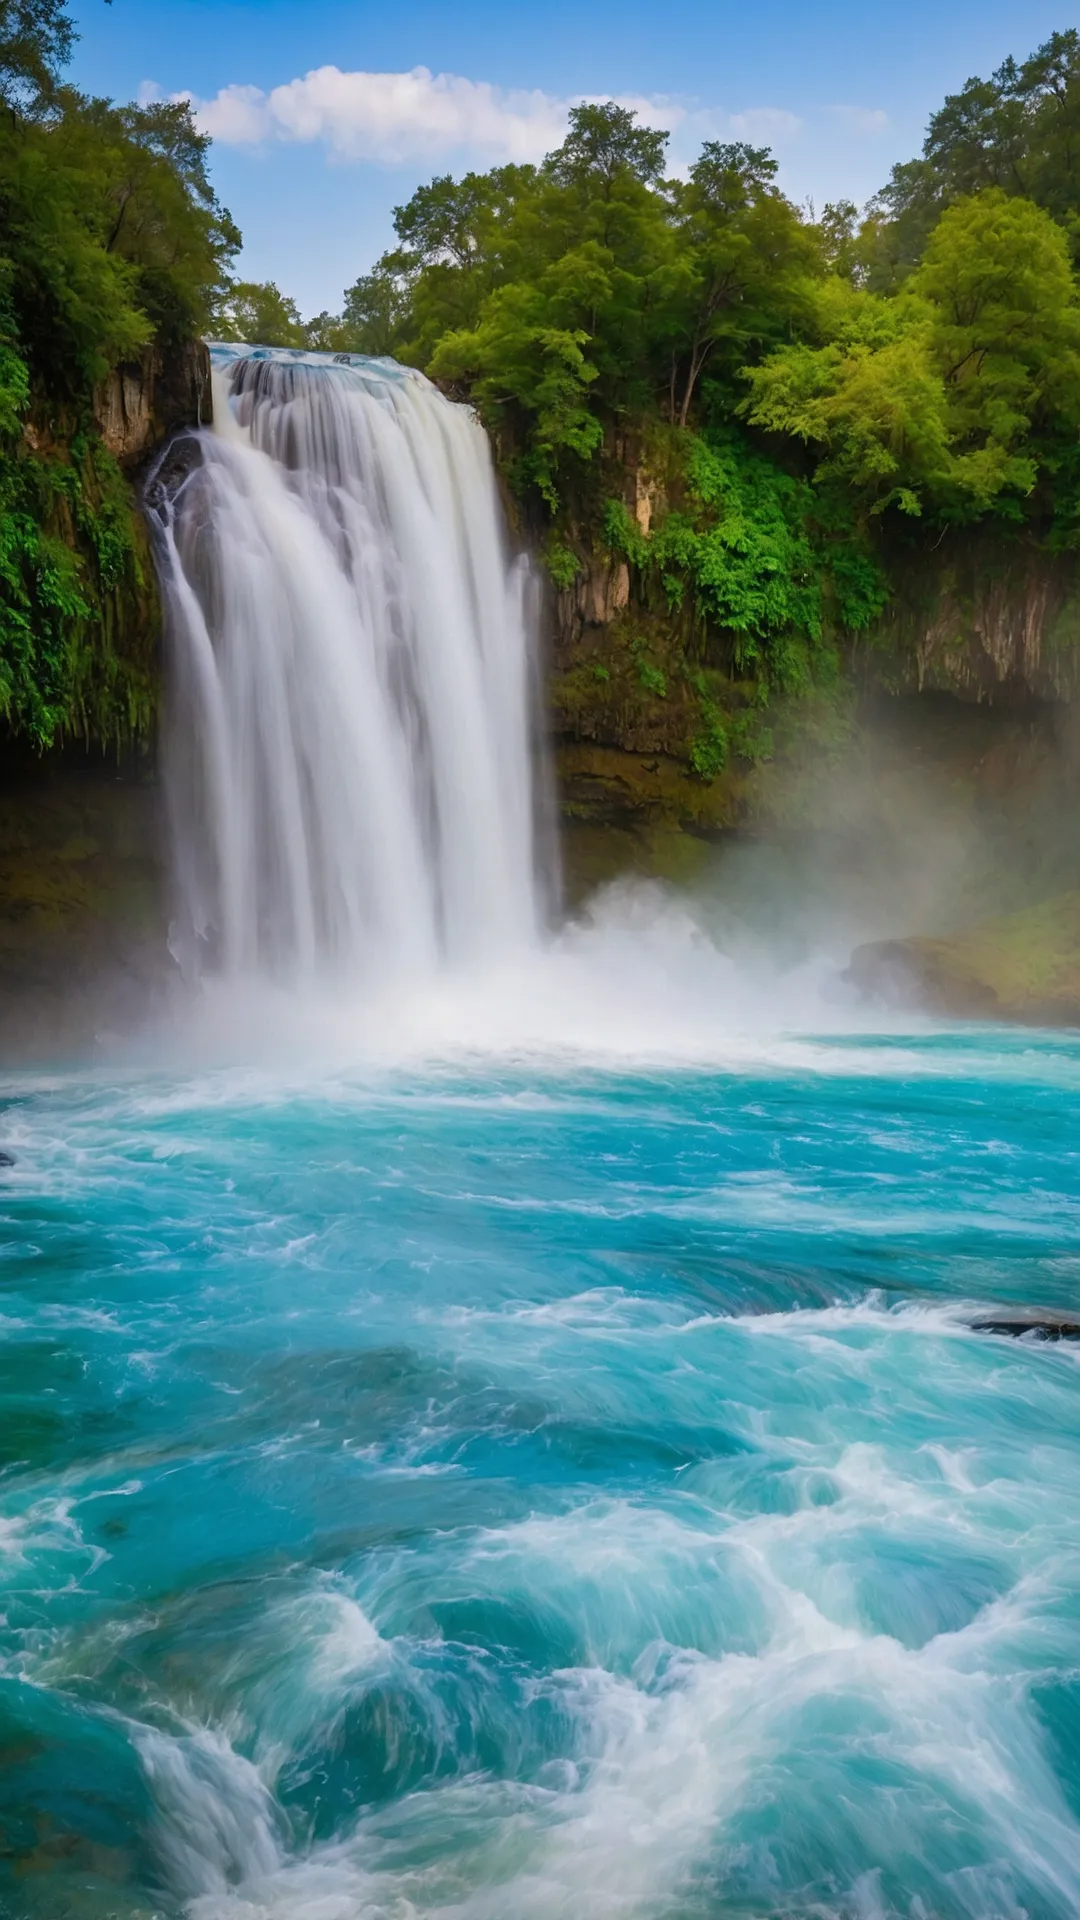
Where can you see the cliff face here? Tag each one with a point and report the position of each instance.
(976, 622)
(83, 915)
(993, 621)
(141, 403)
(79, 612)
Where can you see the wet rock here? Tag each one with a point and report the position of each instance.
(6, 1159)
(180, 459)
(1024, 1325)
(138, 405)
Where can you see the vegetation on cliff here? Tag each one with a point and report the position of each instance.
(744, 416)
(111, 242)
(729, 423)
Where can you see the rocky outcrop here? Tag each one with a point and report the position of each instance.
(1023, 967)
(988, 619)
(139, 404)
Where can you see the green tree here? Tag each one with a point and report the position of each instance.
(1018, 131)
(36, 40)
(258, 313)
(869, 401)
(376, 307)
(1005, 334)
(604, 144)
(743, 260)
(940, 397)
(516, 357)
(111, 238)
(153, 206)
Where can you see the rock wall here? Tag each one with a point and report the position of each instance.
(83, 925)
(83, 914)
(983, 617)
(980, 621)
(139, 404)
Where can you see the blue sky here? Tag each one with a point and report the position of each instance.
(322, 122)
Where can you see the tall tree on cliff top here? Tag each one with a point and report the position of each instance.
(36, 40)
(743, 259)
(561, 279)
(1018, 131)
(110, 231)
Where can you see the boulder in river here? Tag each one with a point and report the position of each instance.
(1018, 1326)
(1023, 967)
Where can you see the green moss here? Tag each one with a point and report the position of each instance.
(709, 749)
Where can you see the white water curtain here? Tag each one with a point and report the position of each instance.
(350, 760)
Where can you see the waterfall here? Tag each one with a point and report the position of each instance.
(349, 753)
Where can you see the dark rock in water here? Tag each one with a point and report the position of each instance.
(1040, 1329)
(6, 1159)
(167, 475)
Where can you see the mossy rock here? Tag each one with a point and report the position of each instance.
(613, 787)
(1022, 967)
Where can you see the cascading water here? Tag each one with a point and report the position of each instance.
(350, 761)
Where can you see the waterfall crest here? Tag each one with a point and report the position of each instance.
(349, 757)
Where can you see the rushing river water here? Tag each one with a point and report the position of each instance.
(539, 1487)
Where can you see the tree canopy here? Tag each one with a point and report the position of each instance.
(918, 360)
(111, 240)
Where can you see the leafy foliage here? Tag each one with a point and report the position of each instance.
(1018, 132)
(36, 38)
(940, 399)
(757, 565)
(799, 394)
(260, 314)
(111, 240)
(72, 578)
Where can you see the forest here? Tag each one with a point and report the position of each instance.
(759, 408)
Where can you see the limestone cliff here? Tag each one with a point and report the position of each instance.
(985, 618)
(138, 405)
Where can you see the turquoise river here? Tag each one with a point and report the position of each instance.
(534, 1483)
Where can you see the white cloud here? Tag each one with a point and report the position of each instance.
(869, 120)
(389, 118)
(237, 117)
(767, 124)
(393, 119)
